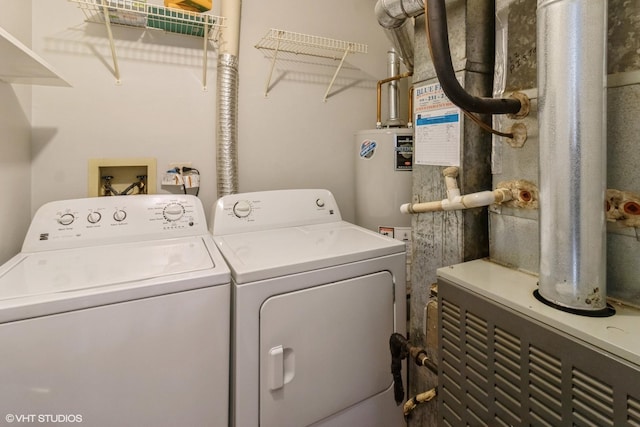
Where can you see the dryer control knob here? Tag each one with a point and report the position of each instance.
(242, 209)
(66, 219)
(320, 203)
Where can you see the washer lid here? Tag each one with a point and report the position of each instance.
(64, 271)
(266, 254)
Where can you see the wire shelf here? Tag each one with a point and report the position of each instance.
(287, 45)
(134, 13)
(140, 14)
(303, 44)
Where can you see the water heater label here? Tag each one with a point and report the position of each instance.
(403, 147)
(367, 149)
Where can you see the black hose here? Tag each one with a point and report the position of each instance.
(401, 349)
(438, 33)
(398, 347)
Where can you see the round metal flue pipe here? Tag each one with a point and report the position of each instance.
(572, 48)
(393, 69)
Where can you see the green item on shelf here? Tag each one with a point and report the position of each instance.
(175, 21)
(125, 12)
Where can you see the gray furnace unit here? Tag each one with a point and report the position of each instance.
(507, 359)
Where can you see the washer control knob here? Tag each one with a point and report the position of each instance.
(242, 209)
(94, 217)
(173, 211)
(66, 219)
(119, 215)
(320, 203)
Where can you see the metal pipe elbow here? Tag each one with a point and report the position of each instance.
(393, 16)
(393, 13)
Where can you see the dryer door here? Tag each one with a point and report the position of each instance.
(324, 349)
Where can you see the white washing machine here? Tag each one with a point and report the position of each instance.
(116, 313)
(315, 300)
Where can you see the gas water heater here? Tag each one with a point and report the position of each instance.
(383, 180)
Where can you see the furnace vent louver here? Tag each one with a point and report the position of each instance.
(545, 387)
(507, 377)
(592, 400)
(633, 411)
(499, 368)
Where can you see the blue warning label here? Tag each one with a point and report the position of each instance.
(367, 149)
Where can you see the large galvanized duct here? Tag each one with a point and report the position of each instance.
(227, 100)
(571, 46)
(392, 16)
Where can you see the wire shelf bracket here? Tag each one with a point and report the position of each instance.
(134, 13)
(281, 41)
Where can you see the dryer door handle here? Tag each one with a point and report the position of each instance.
(276, 368)
(281, 366)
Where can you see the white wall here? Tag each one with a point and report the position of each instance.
(290, 139)
(15, 149)
(159, 109)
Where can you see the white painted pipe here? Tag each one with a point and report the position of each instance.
(473, 200)
(451, 182)
(454, 200)
(230, 33)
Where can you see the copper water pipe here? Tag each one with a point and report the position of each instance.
(380, 83)
(410, 121)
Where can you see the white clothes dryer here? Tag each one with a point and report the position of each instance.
(315, 300)
(116, 313)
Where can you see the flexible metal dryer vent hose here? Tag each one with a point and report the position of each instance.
(227, 111)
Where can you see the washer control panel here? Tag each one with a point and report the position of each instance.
(100, 220)
(238, 213)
